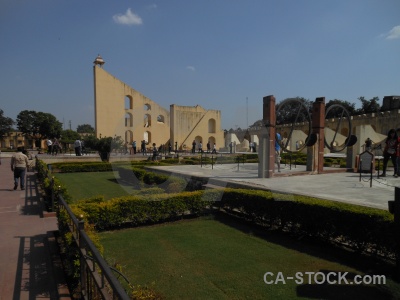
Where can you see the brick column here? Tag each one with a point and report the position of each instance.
(318, 125)
(266, 152)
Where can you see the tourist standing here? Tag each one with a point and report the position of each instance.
(49, 144)
(154, 151)
(390, 152)
(200, 147)
(368, 142)
(208, 147)
(19, 164)
(78, 147)
(143, 147)
(83, 148)
(194, 146)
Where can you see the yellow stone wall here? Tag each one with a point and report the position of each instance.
(195, 123)
(115, 100)
(122, 111)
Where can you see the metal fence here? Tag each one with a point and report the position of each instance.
(96, 277)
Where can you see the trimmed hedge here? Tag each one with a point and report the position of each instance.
(85, 167)
(365, 229)
(139, 176)
(140, 210)
(43, 174)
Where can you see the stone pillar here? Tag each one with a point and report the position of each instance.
(318, 125)
(266, 153)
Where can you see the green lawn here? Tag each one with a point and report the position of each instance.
(89, 184)
(209, 259)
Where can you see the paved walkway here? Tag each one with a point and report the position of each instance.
(27, 244)
(342, 186)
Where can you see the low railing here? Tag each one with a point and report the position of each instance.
(97, 280)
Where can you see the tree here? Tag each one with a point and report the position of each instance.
(85, 128)
(104, 145)
(337, 112)
(69, 136)
(293, 111)
(369, 106)
(49, 126)
(26, 123)
(6, 124)
(38, 125)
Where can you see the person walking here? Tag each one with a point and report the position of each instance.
(208, 147)
(398, 152)
(19, 164)
(49, 144)
(134, 147)
(55, 147)
(214, 151)
(389, 152)
(278, 151)
(126, 145)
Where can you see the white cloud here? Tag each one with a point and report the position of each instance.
(191, 68)
(152, 6)
(394, 33)
(129, 18)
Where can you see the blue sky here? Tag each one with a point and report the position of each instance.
(220, 54)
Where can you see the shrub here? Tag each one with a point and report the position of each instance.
(365, 229)
(139, 210)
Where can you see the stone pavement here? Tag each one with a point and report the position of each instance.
(334, 185)
(29, 265)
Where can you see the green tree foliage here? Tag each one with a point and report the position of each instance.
(6, 124)
(293, 111)
(85, 128)
(91, 141)
(69, 136)
(38, 125)
(369, 106)
(337, 112)
(104, 144)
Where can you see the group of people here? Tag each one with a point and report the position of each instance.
(53, 146)
(392, 152)
(79, 147)
(200, 147)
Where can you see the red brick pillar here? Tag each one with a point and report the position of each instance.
(318, 125)
(266, 155)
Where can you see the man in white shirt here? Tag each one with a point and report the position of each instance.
(49, 144)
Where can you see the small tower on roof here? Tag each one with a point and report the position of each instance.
(99, 61)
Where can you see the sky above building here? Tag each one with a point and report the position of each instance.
(220, 54)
